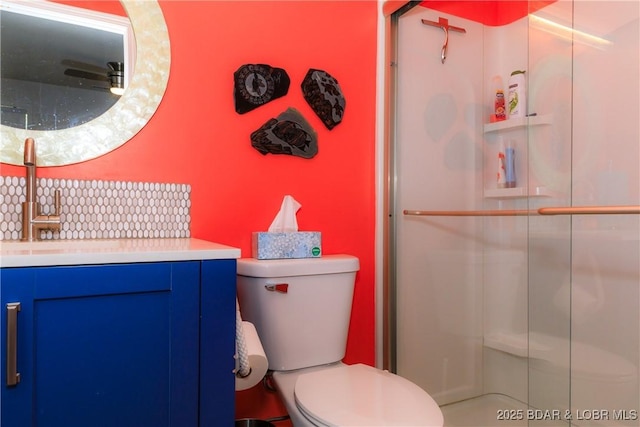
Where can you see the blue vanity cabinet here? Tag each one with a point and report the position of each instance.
(217, 343)
(118, 344)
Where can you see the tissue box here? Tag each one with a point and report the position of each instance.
(299, 244)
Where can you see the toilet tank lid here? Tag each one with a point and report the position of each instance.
(327, 264)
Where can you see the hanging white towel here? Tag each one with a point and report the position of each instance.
(251, 361)
(242, 355)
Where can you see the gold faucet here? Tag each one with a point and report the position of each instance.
(32, 220)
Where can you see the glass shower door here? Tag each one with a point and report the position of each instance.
(584, 269)
(506, 316)
(439, 260)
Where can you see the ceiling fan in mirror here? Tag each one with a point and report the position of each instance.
(114, 74)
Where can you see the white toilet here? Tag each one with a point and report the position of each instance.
(301, 310)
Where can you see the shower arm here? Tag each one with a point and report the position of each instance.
(444, 24)
(570, 210)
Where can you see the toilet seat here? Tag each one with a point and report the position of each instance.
(360, 395)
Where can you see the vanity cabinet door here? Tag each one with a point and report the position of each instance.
(102, 345)
(217, 343)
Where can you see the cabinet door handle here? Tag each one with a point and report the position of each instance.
(13, 377)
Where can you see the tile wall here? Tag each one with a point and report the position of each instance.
(100, 209)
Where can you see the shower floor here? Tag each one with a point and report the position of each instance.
(485, 411)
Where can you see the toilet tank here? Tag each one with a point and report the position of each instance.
(300, 307)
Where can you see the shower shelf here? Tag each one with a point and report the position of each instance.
(516, 344)
(516, 123)
(534, 345)
(516, 193)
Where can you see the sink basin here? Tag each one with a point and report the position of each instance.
(58, 245)
(15, 253)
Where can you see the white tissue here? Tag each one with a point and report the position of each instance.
(285, 220)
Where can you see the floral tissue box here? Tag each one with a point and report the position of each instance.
(298, 244)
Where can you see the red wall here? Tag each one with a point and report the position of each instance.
(488, 12)
(113, 7)
(196, 137)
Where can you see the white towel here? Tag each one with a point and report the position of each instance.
(242, 355)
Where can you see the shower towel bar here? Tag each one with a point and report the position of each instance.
(471, 213)
(444, 24)
(590, 210)
(569, 210)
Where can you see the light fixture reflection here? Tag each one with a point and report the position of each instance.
(117, 90)
(116, 77)
(568, 33)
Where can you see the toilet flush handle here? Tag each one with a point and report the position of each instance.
(283, 288)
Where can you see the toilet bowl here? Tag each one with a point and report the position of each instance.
(354, 395)
(301, 310)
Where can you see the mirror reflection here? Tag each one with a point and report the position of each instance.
(150, 51)
(61, 66)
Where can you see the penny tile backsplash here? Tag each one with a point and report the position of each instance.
(100, 209)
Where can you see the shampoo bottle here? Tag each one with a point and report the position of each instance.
(501, 178)
(510, 165)
(499, 105)
(517, 97)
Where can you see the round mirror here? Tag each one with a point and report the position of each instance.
(121, 122)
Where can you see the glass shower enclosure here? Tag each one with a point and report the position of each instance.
(516, 305)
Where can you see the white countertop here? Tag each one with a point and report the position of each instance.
(110, 251)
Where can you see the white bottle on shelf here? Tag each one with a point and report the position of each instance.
(517, 96)
(501, 176)
(510, 166)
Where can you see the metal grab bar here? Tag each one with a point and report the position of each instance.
(570, 210)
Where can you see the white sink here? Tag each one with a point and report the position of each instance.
(58, 245)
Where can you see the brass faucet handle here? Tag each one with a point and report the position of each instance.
(29, 152)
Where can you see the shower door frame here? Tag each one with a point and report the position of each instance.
(391, 10)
